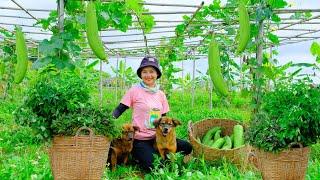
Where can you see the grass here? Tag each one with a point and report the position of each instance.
(21, 157)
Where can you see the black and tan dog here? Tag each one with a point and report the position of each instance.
(121, 147)
(166, 135)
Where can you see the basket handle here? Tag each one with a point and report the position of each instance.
(252, 158)
(91, 134)
(297, 143)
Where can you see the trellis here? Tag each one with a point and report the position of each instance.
(166, 31)
(170, 28)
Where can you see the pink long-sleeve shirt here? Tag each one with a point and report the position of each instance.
(146, 108)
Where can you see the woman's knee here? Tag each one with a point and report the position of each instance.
(143, 160)
(143, 154)
(184, 147)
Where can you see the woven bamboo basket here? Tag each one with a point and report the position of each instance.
(237, 155)
(287, 165)
(79, 156)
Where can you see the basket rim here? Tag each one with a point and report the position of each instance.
(216, 119)
(282, 151)
(70, 136)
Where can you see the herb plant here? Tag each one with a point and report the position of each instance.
(289, 115)
(58, 104)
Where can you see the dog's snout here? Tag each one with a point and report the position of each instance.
(130, 136)
(165, 130)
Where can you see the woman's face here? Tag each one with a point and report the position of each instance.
(149, 76)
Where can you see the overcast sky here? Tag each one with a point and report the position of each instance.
(296, 52)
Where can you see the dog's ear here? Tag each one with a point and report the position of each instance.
(176, 122)
(136, 128)
(156, 122)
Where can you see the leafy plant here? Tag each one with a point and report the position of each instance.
(167, 55)
(315, 50)
(64, 47)
(289, 114)
(8, 61)
(126, 75)
(58, 104)
(197, 168)
(90, 116)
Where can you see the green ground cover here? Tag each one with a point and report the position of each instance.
(22, 157)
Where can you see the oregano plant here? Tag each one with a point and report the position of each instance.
(290, 114)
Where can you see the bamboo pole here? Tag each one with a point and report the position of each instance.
(13, 39)
(124, 77)
(29, 9)
(22, 25)
(299, 22)
(100, 85)
(117, 76)
(60, 14)
(241, 61)
(210, 94)
(216, 22)
(182, 77)
(174, 5)
(271, 61)
(286, 11)
(193, 77)
(158, 38)
(289, 24)
(26, 11)
(278, 11)
(18, 17)
(294, 42)
(301, 34)
(257, 74)
(143, 34)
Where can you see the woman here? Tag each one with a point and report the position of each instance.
(148, 103)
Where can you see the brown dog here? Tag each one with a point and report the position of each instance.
(166, 135)
(121, 147)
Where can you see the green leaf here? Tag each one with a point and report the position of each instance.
(47, 48)
(263, 13)
(273, 38)
(231, 30)
(296, 15)
(66, 36)
(303, 65)
(276, 4)
(148, 22)
(308, 14)
(45, 23)
(295, 72)
(117, 15)
(134, 5)
(315, 49)
(73, 5)
(244, 1)
(275, 18)
(42, 62)
(268, 72)
(73, 48)
(180, 29)
(286, 66)
(63, 62)
(92, 65)
(8, 49)
(6, 33)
